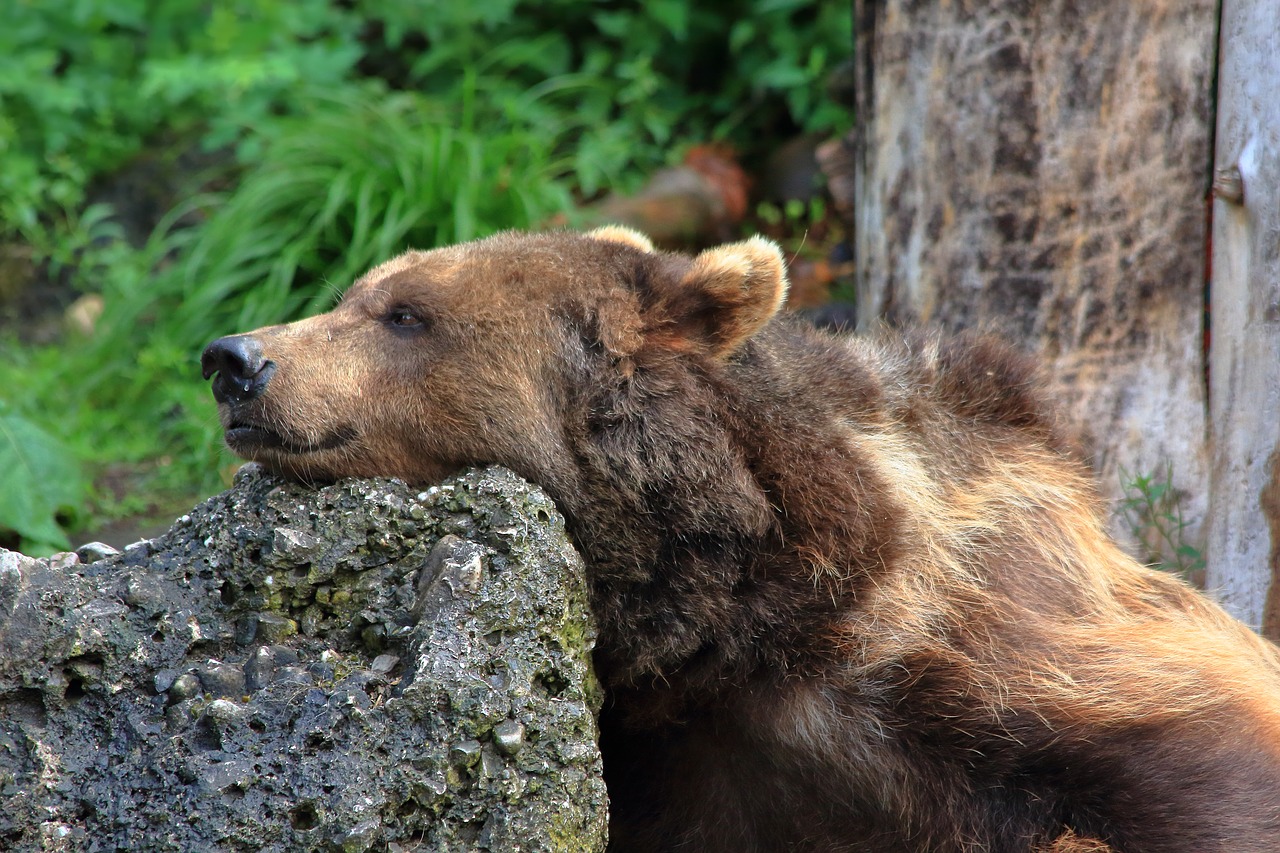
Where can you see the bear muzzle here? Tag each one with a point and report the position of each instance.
(240, 372)
(240, 376)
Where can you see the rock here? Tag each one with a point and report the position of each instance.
(698, 202)
(356, 667)
(508, 737)
(95, 551)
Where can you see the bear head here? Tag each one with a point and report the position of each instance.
(478, 353)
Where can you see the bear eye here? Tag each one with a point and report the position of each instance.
(404, 318)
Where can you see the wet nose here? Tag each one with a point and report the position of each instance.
(241, 371)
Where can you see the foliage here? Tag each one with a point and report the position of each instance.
(642, 74)
(348, 131)
(85, 83)
(1152, 510)
(38, 480)
(310, 218)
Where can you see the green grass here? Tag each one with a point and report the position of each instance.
(1152, 510)
(334, 194)
(340, 134)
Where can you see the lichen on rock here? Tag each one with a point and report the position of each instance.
(363, 666)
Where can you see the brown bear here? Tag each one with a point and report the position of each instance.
(853, 594)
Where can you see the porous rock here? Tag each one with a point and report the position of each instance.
(363, 666)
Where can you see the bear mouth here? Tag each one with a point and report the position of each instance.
(246, 438)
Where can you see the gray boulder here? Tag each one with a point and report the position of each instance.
(363, 666)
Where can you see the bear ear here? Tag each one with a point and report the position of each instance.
(730, 292)
(622, 234)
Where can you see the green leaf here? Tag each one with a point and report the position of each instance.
(741, 34)
(38, 478)
(673, 15)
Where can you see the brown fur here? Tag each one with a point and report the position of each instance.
(853, 594)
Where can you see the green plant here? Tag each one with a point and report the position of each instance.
(84, 84)
(794, 215)
(641, 75)
(1152, 510)
(348, 132)
(302, 224)
(39, 480)
(310, 217)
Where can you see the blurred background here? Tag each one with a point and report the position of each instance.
(176, 170)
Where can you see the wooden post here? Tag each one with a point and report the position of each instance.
(1244, 524)
(1042, 168)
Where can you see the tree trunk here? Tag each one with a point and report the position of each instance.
(1041, 169)
(1244, 526)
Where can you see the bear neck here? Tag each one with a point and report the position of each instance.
(722, 514)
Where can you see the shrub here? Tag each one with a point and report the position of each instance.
(353, 131)
(85, 83)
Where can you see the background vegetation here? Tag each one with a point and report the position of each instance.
(196, 169)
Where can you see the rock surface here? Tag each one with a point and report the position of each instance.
(363, 666)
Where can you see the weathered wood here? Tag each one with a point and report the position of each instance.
(1244, 525)
(1042, 168)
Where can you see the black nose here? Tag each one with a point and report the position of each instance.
(242, 372)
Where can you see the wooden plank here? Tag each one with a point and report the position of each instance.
(1244, 526)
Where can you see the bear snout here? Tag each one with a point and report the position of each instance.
(239, 370)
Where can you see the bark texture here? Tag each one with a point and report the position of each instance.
(1041, 169)
(1244, 528)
